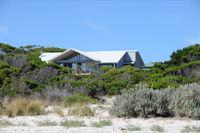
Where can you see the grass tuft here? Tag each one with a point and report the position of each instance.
(72, 123)
(133, 128)
(189, 129)
(102, 123)
(5, 123)
(157, 128)
(23, 124)
(46, 123)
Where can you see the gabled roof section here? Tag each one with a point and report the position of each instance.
(69, 51)
(48, 56)
(107, 56)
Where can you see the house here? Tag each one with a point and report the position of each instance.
(87, 61)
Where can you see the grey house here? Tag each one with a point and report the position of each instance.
(74, 58)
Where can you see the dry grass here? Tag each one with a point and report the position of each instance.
(81, 111)
(21, 107)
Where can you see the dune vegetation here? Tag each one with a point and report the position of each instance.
(169, 88)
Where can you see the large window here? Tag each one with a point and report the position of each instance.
(79, 57)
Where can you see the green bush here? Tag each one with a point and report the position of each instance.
(114, 88)
(77, 100)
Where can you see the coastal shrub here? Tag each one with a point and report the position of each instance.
(179, 102)
(60, 89)
(142, 102)
(115, 87)
(77, 100)
(185, 102)
(123, 105)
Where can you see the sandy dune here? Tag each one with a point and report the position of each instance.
(29, 124)
(170, 125)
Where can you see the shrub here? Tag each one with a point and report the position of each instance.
(141, 102)
(182, 102)
(186, 101)
(77, 100)
(72, 123)
(123, 105)
(114, 88)
(102, 123)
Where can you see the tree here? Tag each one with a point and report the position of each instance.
(6, 49)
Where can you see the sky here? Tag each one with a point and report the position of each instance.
(154, 27)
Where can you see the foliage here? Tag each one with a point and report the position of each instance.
(75, 100)
(6, 48)
(23, 73)
(182, 102)
(186, 101)
(185, 55)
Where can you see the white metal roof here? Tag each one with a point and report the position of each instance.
(101, 56)
(107, 56)
(48, 56)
